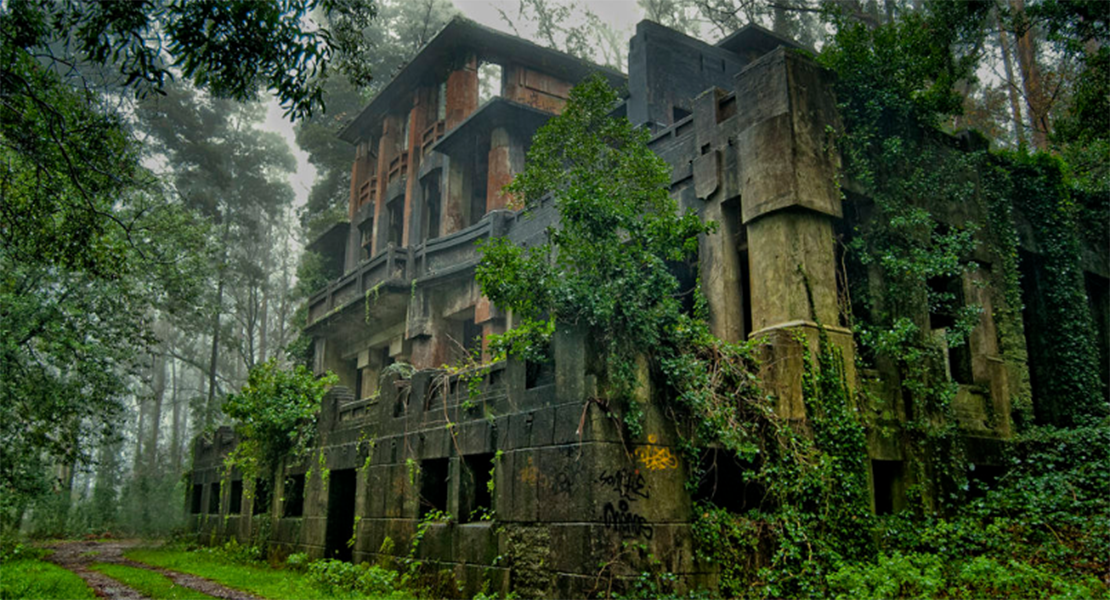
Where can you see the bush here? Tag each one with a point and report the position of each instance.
(918, 575)
(298, 561)
(335, 576)
(12, 550)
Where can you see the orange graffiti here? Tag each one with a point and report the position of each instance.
(530, 474)
(656, 457)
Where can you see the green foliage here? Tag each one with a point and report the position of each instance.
(275, 415)
(337, 577)
(231, 48)
(929, 576)
(605, 266)
(1040, 192)
(658, 585)
(24, 578)
(90, 251)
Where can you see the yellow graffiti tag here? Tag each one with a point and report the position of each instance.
(656, 457)
(529, 474)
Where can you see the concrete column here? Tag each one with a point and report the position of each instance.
(456, 196)
(387, 148)
(500, 169)
(789, 202)
(788, 252)
(418, 118)
(462, 93)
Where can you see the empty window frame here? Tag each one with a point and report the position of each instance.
(432, 206)
(433, 486)
(396, 223)
(235, 500)
(475, 498)
(198, 499)
(214, 499)
(293, 498)
(261, 503)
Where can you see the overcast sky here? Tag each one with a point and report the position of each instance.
(622, 15)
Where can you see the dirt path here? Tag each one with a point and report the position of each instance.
(79, 556)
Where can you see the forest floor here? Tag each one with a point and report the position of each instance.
(83, 557)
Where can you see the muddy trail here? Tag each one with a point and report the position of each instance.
(79, 556)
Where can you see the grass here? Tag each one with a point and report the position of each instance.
(154, 585)
(39, 580)
(257, 579)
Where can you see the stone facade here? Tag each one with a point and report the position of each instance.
(744, 124)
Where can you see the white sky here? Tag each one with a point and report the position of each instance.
(622, 15)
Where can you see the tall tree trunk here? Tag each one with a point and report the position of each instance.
(1031, 76)
(137, 460)
(175, 431)
(210, 405)
(1011, 82)
(158, 385)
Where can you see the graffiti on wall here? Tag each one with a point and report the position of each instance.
(625, 522)
(656, 458)
(628, 483)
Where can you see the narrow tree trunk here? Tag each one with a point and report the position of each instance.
(175, 431)
(1031, 77)
(210, 406)
(158, 385)
(1011, 82)
(137, 461)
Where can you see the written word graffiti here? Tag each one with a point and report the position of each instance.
(656, 457)
(629, 483)
(626, 523)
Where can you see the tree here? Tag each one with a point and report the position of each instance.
(232, 48)
(275, 415)
(606, 266)
(89, 247)
(93, 251)
(227, 170)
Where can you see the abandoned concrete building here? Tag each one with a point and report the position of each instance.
(744, 125)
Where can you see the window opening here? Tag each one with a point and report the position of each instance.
(293, 500)
(235, 501)
(432, 203)
(475, 499)
(947, 298)
(214, 499)
(886, 484)
(489, 82)
(341, 514)
(723, 482)
(441, 101)
(433, 486)
(198, 497)
(261, 497)
(366, 236)
(396, 221)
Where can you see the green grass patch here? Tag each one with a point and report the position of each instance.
(149, 583)
(258, 579)
(38, 580)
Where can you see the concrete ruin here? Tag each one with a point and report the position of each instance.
(745, 125)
